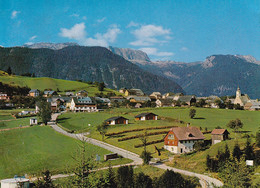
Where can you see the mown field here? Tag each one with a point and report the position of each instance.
(205, 118)
(50, 83)
(32, 150)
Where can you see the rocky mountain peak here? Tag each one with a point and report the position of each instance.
(53, 46)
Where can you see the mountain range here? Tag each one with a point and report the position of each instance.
(73, 62)
(123, 67)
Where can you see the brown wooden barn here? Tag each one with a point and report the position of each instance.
(146, 116)
(218, 135)
(117, 120)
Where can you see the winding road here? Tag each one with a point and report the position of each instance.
(205, 181)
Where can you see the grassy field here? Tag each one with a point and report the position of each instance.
(205, 118)
(15, 123)
(54, 84)
(6, 114)
(32, 150)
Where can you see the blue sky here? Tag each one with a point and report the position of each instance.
(177, 30)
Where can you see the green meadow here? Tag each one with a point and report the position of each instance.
(42, 83)
(35, 149)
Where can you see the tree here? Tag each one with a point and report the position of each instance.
(110, 178)
(101, 86)
(125, 177)
(102, 129)
(235, 173)
(171, 179)
(235, 124)
(257, 138)
(146, 156)
(143, 181)
(226, 152)
(45, 181)
(44, 111)
(83, 167)
(192, 113)
(249, 151)
(9, 71)
(237, 152)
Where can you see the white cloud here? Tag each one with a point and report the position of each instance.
(148, 35)
(14, 14)
(29, 43)
(76, 32)
(84, 17)
(33, 37)
(132, 24)
(74, 15)
(154, 51)
(101, 20)
(184, 49)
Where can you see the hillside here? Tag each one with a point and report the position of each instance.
(50, 83)
(84, 63)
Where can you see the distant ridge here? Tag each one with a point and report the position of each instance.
(53, 46)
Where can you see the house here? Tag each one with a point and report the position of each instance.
(83, 104)
(138, 105)
(182, 139)
(217, 135)
(240, 98)
(146, 116)
(33, 121)
(164, 103)
(187, 99)
(122, 90)
(82, 93)
(252, 105)
(117, 120)
(69, 94)
(156, 95)
(138, 99)
(4, 96)
(135, 92)
(102, 100)
(117, 99)
(168, 95)
(49, 93)
(34, 93)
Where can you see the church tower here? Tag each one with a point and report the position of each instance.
(238, 93)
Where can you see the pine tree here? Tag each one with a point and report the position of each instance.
(227, 152)
(9, 71)
(237, 152)
(249, 151)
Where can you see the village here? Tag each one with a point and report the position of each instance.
(133, 110)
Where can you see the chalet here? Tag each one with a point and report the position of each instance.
(164, 102)
(69, 94)
(138, 105)
(138, 99)
(168, 95)
(83, 104)
(117, 120)
(102, 100)
(146, 116)
(82, 93)
(117, 99)
(187, 99)
(4, 96)
(252, 105)
(34, 93)
(135, 92)
(182, 139)
(49, 93)
(122, 90)
(218, 135)
(156, 95)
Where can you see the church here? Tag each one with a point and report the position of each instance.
(241, 99)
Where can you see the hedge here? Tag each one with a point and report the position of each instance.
(149, 143)
(140, 135)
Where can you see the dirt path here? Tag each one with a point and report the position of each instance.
(23, 127)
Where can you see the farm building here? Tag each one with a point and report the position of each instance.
(82, 93)
(218, 135)
(164, 103)
(15, 183)
(146, 116)
(117, 120)
(182, 139)
(34, 93)
(49, 93)
(33, 121)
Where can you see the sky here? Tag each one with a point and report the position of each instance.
(179, 30)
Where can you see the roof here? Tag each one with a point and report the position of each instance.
(144, 114)
(138, 98)
(15, 180)
(166, 101)
(49, 92)
(186, 98)
(219, 131)
(83, 100)
(187, 133)
(135, 92)
(115, 118)
(33, 90)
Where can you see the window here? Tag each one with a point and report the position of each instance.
(171, 136)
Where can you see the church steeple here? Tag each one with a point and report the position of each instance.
(238, 93)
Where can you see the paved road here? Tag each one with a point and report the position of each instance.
(205, 181)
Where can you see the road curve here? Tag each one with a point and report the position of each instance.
(205, 181)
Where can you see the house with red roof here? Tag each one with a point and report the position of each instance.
(182, 139)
